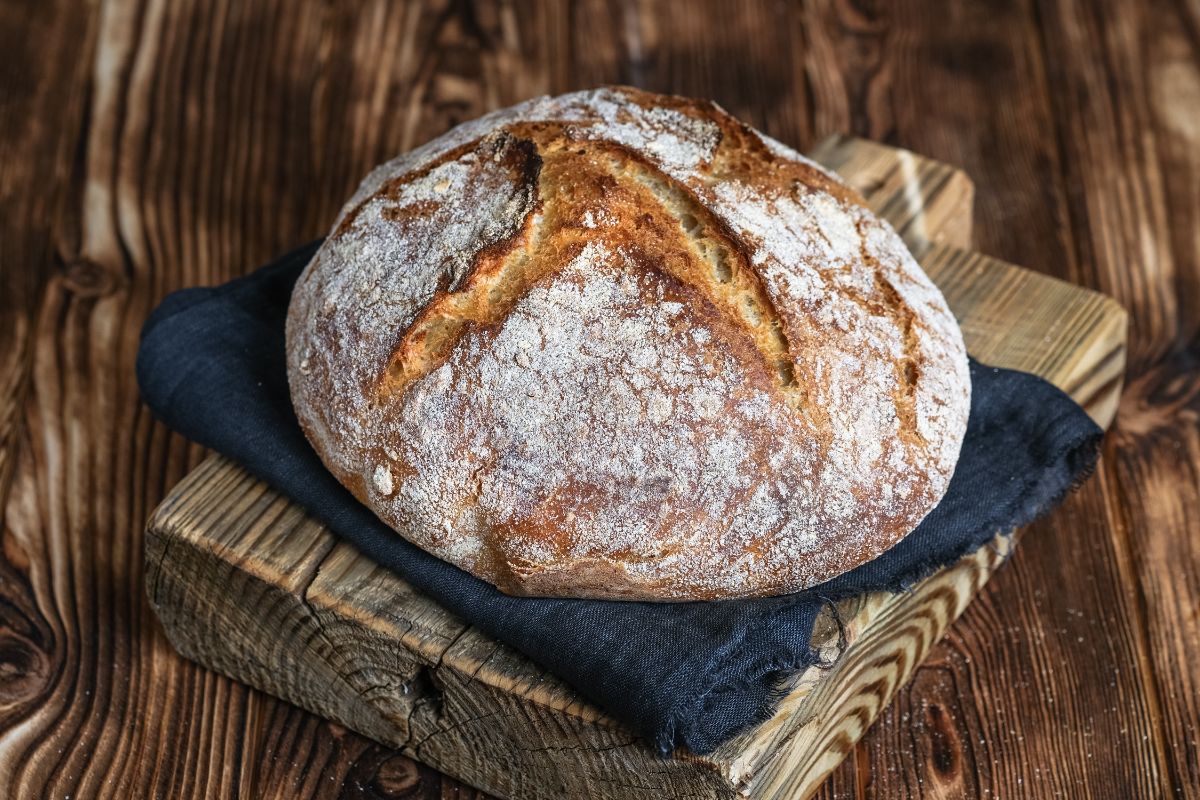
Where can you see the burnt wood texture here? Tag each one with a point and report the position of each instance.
(147, 146)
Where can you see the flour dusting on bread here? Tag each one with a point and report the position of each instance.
(613, 344)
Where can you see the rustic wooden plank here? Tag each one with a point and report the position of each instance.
(994, 88)
(1126, 81)
(42, 112)
(1119, 203)
(447, 692)
(255, 120)
(964, 84)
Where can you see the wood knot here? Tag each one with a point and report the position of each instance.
(380, 773)
(395, 777)
(945, 748)
(23, 670)
(84, 277)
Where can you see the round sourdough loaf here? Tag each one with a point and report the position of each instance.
(619, 345)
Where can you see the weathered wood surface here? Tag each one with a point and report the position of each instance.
(246, 584)
(147, 145)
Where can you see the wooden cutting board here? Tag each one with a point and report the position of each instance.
(249, 585)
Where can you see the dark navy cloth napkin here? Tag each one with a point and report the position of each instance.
(211, 366)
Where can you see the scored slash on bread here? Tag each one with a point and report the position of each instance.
(619, 345)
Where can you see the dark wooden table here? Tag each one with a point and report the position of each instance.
(148, 146)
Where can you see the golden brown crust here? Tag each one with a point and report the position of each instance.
(614, 344)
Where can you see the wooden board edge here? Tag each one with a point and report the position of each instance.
(173, 564)
(819, 724)
(305, 664)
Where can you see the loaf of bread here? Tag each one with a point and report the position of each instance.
(620, 345)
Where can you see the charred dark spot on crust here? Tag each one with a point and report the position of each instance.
(520, 157)
(911, 373)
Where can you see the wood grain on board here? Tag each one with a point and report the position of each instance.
(147, 145)
(245, 583)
